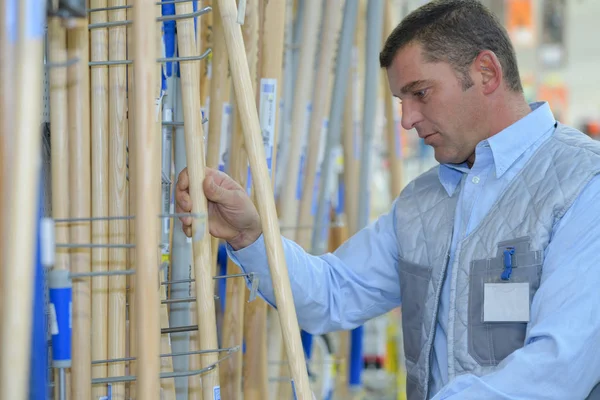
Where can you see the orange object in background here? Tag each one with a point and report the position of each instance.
(557, 96)
(519, 22)
(592, 128)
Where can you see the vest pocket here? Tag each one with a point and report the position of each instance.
(492, 342)
(414, 282)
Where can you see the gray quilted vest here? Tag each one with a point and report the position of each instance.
(522, 218)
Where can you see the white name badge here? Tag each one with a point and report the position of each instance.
(506, 302)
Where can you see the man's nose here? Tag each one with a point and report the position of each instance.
(411, 115)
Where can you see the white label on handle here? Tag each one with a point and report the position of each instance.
(53, 320)
(168, 114)
(225, 134)
(268, 115)
(217, 393)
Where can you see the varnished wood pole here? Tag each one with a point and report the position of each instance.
(167, 385)
(319, 117)
(201, 242)
(100, 180)
(220, 88)
(57, 40)
(147, 141)
(22, 201)
(80, 189)
(291, 192)
(59, 157)
(393, 127)
(246, 107)
(132, 312)
(117, 75)
(273, 16)
(233, 323)
(206, 31)
(290, 196)
(337, 236)
(6, 110)
(351, 138)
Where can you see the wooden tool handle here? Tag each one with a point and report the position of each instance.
(80, 204)
(201, 242)
(100, 179)
(147, 223)
(289, 202)
(233, 323)
(117, 75)
(220, 88)
(393, 128)
(22, 204)
(265, 199)
(269, 68)
(6, 111)
(321, 105)
(132, 310)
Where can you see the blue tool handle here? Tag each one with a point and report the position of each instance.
(60, 293)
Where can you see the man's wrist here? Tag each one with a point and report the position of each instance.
(244, 239)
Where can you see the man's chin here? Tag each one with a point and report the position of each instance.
(443, 158)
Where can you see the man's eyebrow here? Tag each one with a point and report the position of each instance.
(413, 85)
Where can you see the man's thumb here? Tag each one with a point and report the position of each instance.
(212, 191)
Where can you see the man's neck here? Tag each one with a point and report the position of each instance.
(503, 113)
(506, 112)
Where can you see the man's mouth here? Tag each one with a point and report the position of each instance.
(427, 135)
(428, 138)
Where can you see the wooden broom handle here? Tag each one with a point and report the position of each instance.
(80, 204)
(147, 223)
(117, 76)
(99, 140)
(220, 88)
(201, 240)
(321, 105)
(233, 321)
(393, 128)
(18, 261)
(264, 193)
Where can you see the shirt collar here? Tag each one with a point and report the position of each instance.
(507, 146)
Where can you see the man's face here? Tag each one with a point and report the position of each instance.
(434, 102)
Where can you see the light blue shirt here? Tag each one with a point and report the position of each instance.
(359, 281)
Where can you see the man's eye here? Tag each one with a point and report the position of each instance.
(420, 93)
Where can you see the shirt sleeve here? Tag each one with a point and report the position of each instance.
(561, 356)
(335, 291)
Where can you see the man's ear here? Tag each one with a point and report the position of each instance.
(488, 71)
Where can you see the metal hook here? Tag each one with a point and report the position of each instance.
(159, 19)
(114, 8)
(67, 63)
(159, 60)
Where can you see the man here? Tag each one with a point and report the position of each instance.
(493, 254)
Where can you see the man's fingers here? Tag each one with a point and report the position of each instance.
(183, 181)
(188, 231)
(184, 201)
(187, 220)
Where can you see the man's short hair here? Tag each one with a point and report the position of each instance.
(455, 31)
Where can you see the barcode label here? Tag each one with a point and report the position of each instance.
(268, 115)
